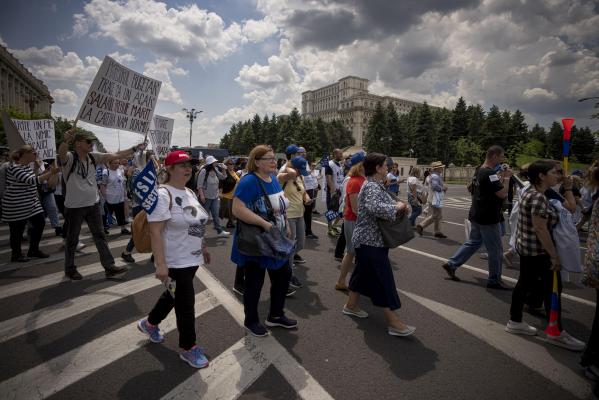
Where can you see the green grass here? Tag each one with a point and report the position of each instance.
(524, 159)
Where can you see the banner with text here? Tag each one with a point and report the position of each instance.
(39, 133)
(161, 133)
(145, 188)
(120, 98)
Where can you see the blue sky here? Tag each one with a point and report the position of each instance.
(233, 58)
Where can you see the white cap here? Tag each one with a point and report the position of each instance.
(210, 160)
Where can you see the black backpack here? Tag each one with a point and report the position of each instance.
(473, 185)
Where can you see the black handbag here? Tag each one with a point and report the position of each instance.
(397, 232)
(252, 240)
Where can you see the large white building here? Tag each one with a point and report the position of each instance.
(348, 101)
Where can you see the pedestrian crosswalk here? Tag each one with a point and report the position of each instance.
(460, 203)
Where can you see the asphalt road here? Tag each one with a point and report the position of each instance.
(73, 340)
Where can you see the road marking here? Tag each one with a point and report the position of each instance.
(50, 242)
(90, 249)
(56, 374)
(298, 377)
(532, 355)
(37, 319)
(28, 285)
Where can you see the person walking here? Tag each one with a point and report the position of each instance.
(373, 276)
(82, 197)
(249, 206)
(435, 201)
(350, 210)
(334, 178)
(311, 184)
(416, 194)
(177, 228)
(208, 191)
(21, 203)
(393, 179)
(538, 256)
(228, 190)
(112, 188)
(485, 216)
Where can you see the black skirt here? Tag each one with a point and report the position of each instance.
(373, 277)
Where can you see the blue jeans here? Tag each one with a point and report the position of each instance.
(490, 236)
(212, 206)
(50, 209)
(416, 211)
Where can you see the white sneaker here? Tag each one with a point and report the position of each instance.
(355, 313)
(80, 246)
(566, 341)
(223, 234)
(484, 256)
(520, 328)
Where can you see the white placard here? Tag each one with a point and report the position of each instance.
(161, 134)
(120, 98)
(39, 133)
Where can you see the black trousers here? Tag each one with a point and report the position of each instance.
(183, 303)
(35, 231)
(591, 353)
(535, 272)
(308, 211)
(254, 279)
(119, 210)
(341, 243)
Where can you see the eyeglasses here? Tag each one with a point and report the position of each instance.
(266, 158)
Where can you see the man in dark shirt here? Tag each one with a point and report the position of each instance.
(490, 190)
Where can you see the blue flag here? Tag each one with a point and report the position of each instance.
(324, 161)
(145, 187)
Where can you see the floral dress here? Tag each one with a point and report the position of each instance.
(591, 259)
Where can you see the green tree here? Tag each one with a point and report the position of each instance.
(377, 135)
(425, 147)
(257, 129)
(493, 128)
(476, 123)
(467, 153)
(398, 145)
(459, 120)
(518, 127)
(583, 145)
(446, 148)
(555, 141)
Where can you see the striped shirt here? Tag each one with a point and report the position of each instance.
(21, 199)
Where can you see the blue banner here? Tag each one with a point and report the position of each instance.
(324, 161)
(145, 187)
(332, 215)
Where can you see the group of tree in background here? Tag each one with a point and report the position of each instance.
(459, 136)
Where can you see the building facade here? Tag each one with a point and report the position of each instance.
(20, 89)
(349, 101)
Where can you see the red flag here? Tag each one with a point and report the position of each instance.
(567, 122)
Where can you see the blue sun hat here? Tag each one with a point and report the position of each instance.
(301, 165)
(291, 149)
(357, 158)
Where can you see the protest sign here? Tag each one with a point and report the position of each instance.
(120, 98)
(39, 133)
(145, 188)
(161, 133)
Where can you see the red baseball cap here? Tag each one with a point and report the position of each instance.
(178, 156)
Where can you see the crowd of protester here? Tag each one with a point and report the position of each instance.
(269, 204)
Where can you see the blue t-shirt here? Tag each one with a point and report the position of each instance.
(249, 191)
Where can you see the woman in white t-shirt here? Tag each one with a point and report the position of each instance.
(177, 227)
(113, 191)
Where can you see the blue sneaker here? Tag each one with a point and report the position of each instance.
(153, 332)
(194, 357)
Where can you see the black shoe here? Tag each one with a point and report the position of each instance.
(295, 283)
(239, 289)
(152, 258)
(230, 225)
(37, 254)
(311, 236)
(256, 329)
(450, 272)
(283, 322)
(315, 212)
(440, 235)
(73, 275)
(127, 257)
(290, 291)
(125, 231)
(297, 259)
(498, 286)
(419, 229)
(114, 270)
(106, 231)
(58, 231)
(19, 258)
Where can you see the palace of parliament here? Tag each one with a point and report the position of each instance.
(348, 101)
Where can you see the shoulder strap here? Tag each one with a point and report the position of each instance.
(93, 160)
(73, 165)
(269, 209)
(170, 196)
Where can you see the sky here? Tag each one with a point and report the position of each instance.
(235, 58)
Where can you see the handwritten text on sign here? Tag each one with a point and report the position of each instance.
(39, 133)
(160, 135)
(120, 98)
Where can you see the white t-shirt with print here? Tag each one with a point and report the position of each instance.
(184, 229)
(115, 185)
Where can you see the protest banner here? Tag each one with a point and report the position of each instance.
(120, 98)
(145, 188)
(161, 133)
(39, 133)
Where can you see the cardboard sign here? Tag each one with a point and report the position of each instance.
(161, 134)
(39, 133)
(120, 98)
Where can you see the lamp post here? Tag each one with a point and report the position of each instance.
(191, 116)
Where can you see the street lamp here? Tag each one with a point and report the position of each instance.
(191, 116)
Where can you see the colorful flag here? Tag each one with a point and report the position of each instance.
(553, 328)
(567, 123)
(146, 189)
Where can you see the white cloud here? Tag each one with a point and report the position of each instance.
(257, 31)
(2, 42)
(122, 58)
(539, 94)
(278, 71)
(65, 97)
(185, 31)
(162, 70)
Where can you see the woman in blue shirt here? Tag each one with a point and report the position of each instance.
(249, 206)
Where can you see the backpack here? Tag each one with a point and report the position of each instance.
(228, 183)
(141, 229)
(472, 186)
